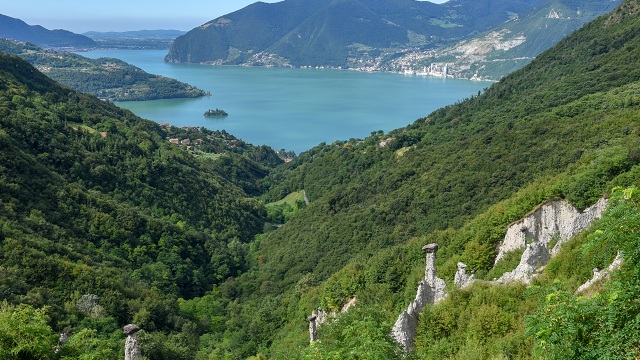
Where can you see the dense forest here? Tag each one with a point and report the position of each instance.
(99, 208)
(107, 78)
(219, 250)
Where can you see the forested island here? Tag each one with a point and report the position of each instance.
(107, 78)
(217, 249)
(215, 113)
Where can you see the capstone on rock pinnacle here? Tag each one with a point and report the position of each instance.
(131, 345)
(431, 290)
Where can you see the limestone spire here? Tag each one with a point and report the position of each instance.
(131, 346)
(431, 290)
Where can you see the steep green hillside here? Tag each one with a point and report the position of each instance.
(129, 228)
(107, 78)
(560, 112)
(566, 126)
(103, 221)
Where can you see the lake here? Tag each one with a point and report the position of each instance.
(293, 109)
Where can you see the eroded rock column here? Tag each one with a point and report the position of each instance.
(430, 268)
(131, 346)
(534, 257)
(462, 279)
(313, 329)
(437, 286)
(431, 290)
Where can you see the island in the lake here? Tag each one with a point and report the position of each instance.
(215, 113)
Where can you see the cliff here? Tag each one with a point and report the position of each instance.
(555, 220)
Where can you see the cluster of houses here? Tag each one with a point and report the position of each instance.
(186, 142)
(386, 141)
(189, 144)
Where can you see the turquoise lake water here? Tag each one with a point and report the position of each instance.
(293, 109)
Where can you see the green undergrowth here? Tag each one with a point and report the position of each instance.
(484, 321)
(542, 320)
(281, 211)
(509, 262)
(604, 323)
(388, 281)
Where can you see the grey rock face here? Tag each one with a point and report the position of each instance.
(534, 257)
(404, 330)
(319, 317)
(602, 274)
(553, 220)
(431, 290)
(313, 330)
(462, 279)
(131, 346)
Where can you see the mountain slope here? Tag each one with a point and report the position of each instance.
(471, 39)
(565, 126)
(99, 211)
(506, 47)
(120, 212)
(17, 29)
(302, 32)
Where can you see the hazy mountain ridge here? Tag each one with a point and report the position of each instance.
(140, 39)
(16, 29)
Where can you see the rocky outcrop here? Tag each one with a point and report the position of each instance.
(599, 275)
(431, 290)
(62, 340)
(555, 220)
(320, 316)
(131, 346)
(542, 234)
(535, 256)
(313, 328)
(435, 288)
(462, 279)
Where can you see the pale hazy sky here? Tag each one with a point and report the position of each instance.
(121, 15)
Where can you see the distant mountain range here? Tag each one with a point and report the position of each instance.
(17, 29)
(136, 34)
(140, 39)
(386, 35)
